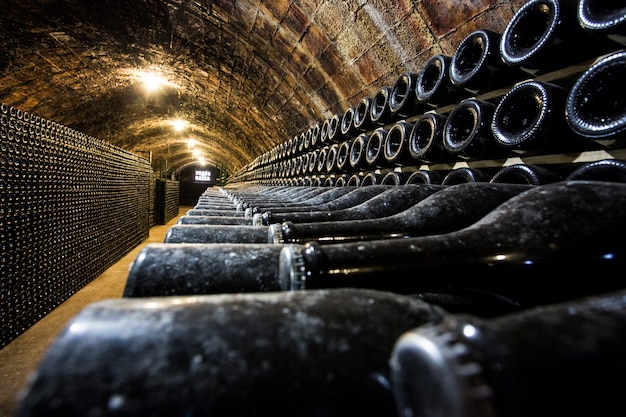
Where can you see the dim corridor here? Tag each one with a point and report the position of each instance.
(20, 357)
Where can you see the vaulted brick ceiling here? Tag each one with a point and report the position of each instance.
(245, 75)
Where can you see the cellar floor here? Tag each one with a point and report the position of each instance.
(20, 357)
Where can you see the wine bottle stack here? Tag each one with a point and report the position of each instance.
(546, 90)
(70, 207)
(453, 252)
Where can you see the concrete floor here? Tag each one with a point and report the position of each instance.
(20, 357)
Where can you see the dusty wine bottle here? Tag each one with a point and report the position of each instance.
(403, 102)
(314, 353)
(362, 119)
(356, 196)
(547, 231)
(561, 360)
(424, 176)
(396, 145)
(447, 210)
(603, 18)
(167, 269)
(357, 152)
(464, 175)
(612, 170)
(374, 153)
(334, 128)
(395, 178)
(433, 86)
(376, 201)
(595, 107)
(215, 233)
(380, 112)
(347, 123)
(426, 139)
(467, 131)
(530, 120)
(477, 67)
(525, 174)
(371, 178)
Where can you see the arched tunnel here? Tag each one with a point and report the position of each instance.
(242, 76)
(458, 256)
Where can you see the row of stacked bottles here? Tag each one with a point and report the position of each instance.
(70, 207)
(539, 88)
(492, 295)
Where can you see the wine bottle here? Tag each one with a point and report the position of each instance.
(467, 131)
(447, 210)
(403, 102)
(362, 120)
(334, 128)
(343, 156)
(525, 174)
(565, 359)
(354, 180)
(167, 269)
(544, 35)
(396, 144)
(317, 353)
(376, 201)
(595, 104)
(380, 112)
(223, 220)
(347, 123)
(463, 175)
(374, 154)
(553, 230)
(433, 86)
(530, 120)
(331, 159)
(426, 139)
(477, 67)
(603, 18)
(355, 197)
(322, 158)
(215, 233)
(371, 178)
(394, 178)
(424, 176)
(357, 152)
(613, 170)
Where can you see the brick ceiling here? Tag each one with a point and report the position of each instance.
(245, 75)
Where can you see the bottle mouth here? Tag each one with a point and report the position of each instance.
(380, 104)
(519, 114)
(394, 141)
(433, 373)
(530, 29)
(596, 104)
(422, 137)
(430, 78)
(469, 58)
(292, 271)
(400, 92)
(596, 16)
(461, 126)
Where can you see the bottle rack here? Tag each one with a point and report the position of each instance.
(70, 207)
